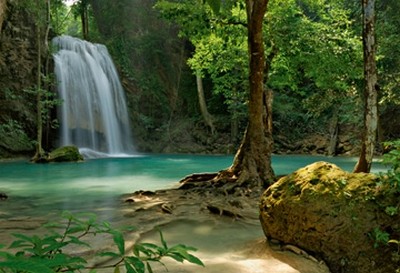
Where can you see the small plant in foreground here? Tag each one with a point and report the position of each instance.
(379, 237)
(47, 254)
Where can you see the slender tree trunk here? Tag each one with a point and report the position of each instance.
(39, 127)
(252, 162)
(46, 70)
(40, 153)
(208, 118)
(85, 22)
(370, 88)
(333, 133)
(39, 149)
(234, 122)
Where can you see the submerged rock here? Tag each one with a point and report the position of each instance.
(65, 154)
(334, 215)
(3, 196)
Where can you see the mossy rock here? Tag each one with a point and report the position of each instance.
(65, 154)
(334, 215)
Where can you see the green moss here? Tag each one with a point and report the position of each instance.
(65, 154)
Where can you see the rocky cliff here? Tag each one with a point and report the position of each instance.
(17, 77)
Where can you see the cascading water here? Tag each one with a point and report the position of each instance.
(93, 112)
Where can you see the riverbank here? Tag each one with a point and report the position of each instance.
(225, 230)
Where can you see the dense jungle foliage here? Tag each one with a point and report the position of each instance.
(162, 47)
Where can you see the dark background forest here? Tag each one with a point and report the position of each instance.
(163, 49)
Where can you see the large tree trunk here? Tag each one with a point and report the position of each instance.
(252, 162)
(208, 118)
(253, 159)
(370, 89)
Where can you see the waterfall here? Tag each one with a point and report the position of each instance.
(93, 114)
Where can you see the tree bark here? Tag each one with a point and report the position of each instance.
(370, 89)
(208, 118)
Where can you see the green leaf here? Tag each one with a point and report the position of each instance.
(139, 248)
(53, 247)
(119, 241)
(129, 268)
(19, 243)
(61, 260)
(108, 254)
(23, 237)
(194, 260)
(76, 229)
(23, 265)
(177, 257)
(180, 251)
(136, 263)
(164, 243)
(77, 241)
(147, 248)
(182, 248)
(149, 267)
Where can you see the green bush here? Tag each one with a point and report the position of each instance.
(392, 159)
(35, 254)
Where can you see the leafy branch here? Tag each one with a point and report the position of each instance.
(35, 254)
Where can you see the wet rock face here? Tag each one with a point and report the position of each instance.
(332, 214)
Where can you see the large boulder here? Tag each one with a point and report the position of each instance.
(337, 216)
(65, 154)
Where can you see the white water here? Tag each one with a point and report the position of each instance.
(93, 114)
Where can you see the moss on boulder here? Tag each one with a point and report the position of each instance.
(65, 154)
(335, 215)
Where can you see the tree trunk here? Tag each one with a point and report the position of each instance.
(39, 127)
(208, 118)
(333, 133)
(85, 23)
(40, 153)
(252, 161)
(370, 89)
(84, 19)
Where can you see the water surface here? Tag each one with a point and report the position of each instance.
(97, 184)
